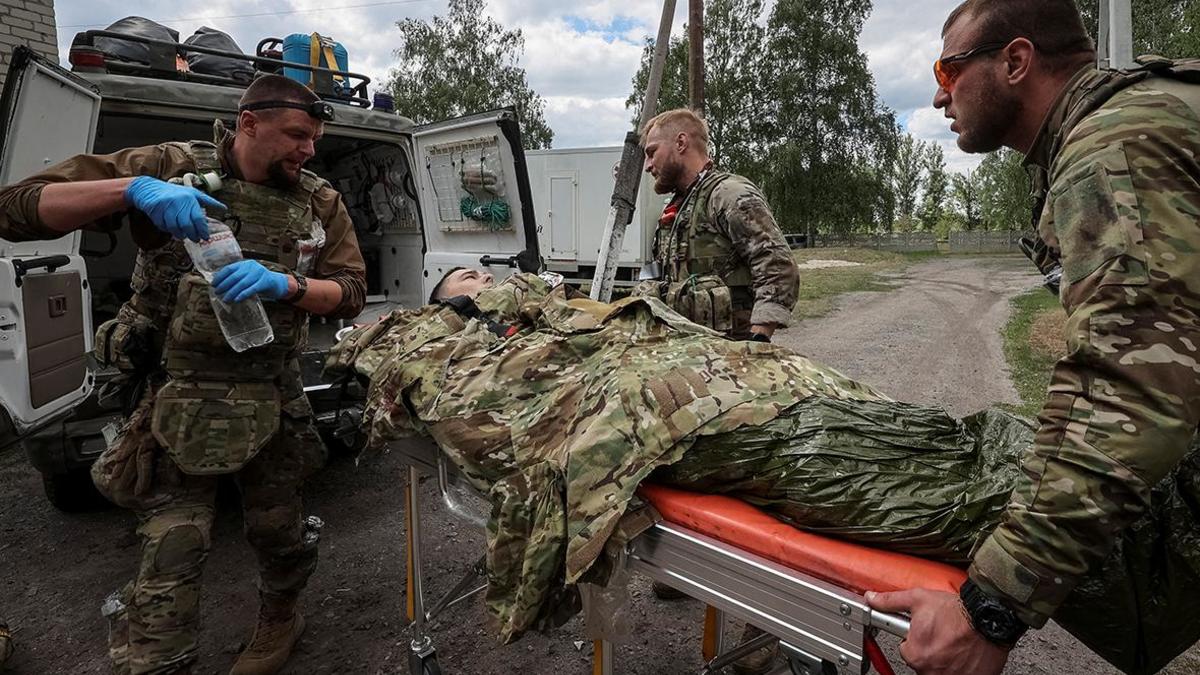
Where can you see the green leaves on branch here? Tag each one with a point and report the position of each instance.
(461, 63)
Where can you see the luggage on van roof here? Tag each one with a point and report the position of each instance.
(140, 52)
(210, 64)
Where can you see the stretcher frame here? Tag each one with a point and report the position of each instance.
(822, 628)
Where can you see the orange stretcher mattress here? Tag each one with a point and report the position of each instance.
(851, 566)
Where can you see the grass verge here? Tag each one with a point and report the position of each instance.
(1033, 342)
(819, 288)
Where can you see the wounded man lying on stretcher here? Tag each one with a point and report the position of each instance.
(557, 408)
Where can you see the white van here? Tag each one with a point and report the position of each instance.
(401, 183)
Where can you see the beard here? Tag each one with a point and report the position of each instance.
(279, 176)
(669, 177)
(995, 110)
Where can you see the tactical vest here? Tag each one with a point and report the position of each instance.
(1092, 93)
(218, 407)
(704, 279)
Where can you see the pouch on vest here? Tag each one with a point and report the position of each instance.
(215, 427)
(126, 343)
(704, 300)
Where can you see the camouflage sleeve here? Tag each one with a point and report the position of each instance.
(743, 212)
(19, 219)
(1124, 403)
(341, 259)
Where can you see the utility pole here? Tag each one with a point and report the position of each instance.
(1115, 46)
(696, 55)
(629, 172)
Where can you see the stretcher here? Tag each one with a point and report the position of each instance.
(804, 589)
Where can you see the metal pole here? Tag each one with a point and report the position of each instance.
(696, 55)
(629, 172)
(1114, 48)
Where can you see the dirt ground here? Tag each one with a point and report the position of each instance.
(935, 339)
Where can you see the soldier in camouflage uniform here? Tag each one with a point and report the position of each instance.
(198, 409)
(719, 257)
(1115, 158)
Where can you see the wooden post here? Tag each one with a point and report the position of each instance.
(696, 55)
(630, 170)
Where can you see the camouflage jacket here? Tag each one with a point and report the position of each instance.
(559, 423)
(1121, 215)
(725, 228)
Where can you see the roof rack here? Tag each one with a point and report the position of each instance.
(162, 65)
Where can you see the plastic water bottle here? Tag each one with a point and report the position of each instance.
(244, 323)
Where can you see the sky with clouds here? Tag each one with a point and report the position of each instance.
(581, 56)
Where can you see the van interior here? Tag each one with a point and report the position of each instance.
(373, 177)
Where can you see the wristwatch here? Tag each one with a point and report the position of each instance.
(760, 337)
(301, 289)
(989, 617)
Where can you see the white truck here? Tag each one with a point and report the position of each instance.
(572, 190)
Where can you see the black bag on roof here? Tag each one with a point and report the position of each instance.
(138, 52)
(210, 64)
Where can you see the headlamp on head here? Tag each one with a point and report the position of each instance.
(321, 110)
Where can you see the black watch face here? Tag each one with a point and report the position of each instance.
(997, 624)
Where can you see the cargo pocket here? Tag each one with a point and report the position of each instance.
(1098, 223)
(212, 427)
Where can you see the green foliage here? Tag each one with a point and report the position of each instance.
(967, 195)
(1005, 200)
(1169, 28)
(937, 183)
(462, 63)
(792, 106)
(907, 176)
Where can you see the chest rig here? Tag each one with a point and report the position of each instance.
(270, 225)
(694, 247)
(218, 407)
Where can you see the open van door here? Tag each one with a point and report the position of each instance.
(46, 115)
(476, 205)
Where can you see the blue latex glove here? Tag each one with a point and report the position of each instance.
(174, 209)
(238, 281)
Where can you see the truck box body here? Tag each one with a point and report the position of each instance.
(572, 191)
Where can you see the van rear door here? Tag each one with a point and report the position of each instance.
(46, 115)
(475, 200)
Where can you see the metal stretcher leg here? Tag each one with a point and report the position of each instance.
(713, 642)
(422, 657)
(602, 657)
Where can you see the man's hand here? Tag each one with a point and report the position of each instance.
(240, 280)
(174, 209)
(941, 640)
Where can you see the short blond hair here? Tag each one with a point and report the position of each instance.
(677, 121)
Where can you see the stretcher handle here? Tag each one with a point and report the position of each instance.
(893, 624)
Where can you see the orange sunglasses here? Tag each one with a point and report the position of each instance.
(947, 69)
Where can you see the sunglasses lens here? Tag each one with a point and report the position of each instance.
(945, 73)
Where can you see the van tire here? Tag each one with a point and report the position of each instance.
(72, 492)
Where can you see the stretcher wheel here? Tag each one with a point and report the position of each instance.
(424, 663)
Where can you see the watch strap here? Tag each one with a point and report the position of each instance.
(301, 288)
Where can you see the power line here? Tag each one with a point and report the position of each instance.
(262, 14)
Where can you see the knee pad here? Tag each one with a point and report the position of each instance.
(180, 548)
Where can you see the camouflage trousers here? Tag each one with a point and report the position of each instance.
(155, 618)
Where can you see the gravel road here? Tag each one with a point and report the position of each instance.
(934, 339)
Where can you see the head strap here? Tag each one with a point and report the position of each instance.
(319, 110)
